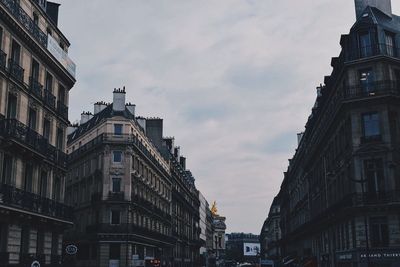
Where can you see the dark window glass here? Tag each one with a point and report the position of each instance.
(365, 44)
(115, 217)
(118, 129)
(56, 188)
(28, 177)
(371, 125)
(1, 37)
(116, 185)
(115, 251)
(397, 75)
(379, 232)
(390, 44)
(15, 52)
(367, 80)
(7, 169)
(3, 237)
(375, 178)
(43, 184)
(117, 156)
(46, 129)
(12, 107)
(54, 243)
(35, 70)
(40, 242)
(61, 94)
(25, 233)
(49, 82)
(60, 139)
(35, 19)
(32, 119)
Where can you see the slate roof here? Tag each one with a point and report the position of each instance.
(379, 18)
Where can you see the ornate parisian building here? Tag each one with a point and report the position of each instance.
(340, 196)
(36, 75)
(135, 203)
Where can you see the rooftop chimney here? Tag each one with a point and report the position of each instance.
(154, 130)
(177, 152)
(383, 5)
(52, 11)
(169, 143)
(119, 99)
(142, 123)
(99, 106)
(131, 107)
(182, 161)
(85, 117)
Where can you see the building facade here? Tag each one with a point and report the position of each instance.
(36, 75)
(243, 248)
(271, 233)
(339, 196)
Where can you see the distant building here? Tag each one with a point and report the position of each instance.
(241, 247)
(36, 75)
(271, 233)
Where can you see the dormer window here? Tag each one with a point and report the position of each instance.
(390, 44)
(365, 44)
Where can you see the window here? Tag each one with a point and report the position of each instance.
(367, 79)
(32, 119)
(117, 156)
(371, 126)
(49, 82)
(365, 45)
(43, 184)
(12, 106)
(46, 129)
(373, 169)
(61, 93)
(115, 217)
(57, 188)
(40, 242)
(379, 232)
(28, 177)
(115, 251)
(397, 75)
(15, 52)
(118, 129)
(24, 245)
(116, 185)
(35, 72)
(390, 45)
(35, 19)
(7, 169)
(60, 139)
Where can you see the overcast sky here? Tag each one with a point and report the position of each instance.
(234, 81)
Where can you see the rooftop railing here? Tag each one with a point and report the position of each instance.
(24, 200)
(372, 89)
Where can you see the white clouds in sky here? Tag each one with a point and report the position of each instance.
(234, 81)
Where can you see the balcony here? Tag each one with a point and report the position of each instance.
(116, 196)
(373, 50)
(49, 99)
(16, 71)
(3, 61)
(35, 87)
(22, 134)
(27, 22)
(62, 110)
(27, 201)
(371, 139)
(373, 89)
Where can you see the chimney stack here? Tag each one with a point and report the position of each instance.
(85, 117)
(131, 107)
(383, 5)
(119, 99)
(99, 106)
(154, 130)
(182, 161)
(142, 123)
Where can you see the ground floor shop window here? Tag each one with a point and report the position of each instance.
(379, 232)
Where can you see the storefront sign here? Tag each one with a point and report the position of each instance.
(71, 249)
(381, 255)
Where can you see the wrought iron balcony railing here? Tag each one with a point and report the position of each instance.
(49, 99)
(22, 17)
(13, 129)
(35, 87)
(16, 70)
(378, 88)
(373, 50)
(3, 60)
(24, 200)
(62, 109)
(116, 196)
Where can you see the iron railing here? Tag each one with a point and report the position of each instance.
(49, 99)
(22, 17)
(31, 202)
(15, 70)
(35, 87)
(378, 88)
(3, 60)
(62, 109)
(373, 50)
(14, 129)
(116, 196)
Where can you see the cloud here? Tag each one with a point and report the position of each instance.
(234, 81)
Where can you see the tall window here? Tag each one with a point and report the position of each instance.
(28, 177)
(43, 184)
(7, 169)
(1, 37)
(60, 139)
(46, 129)
(371, 126)
(49, 82)
(116, 185)
(12, 106)
(56, 188)
(373, 169)
(115, 251)
(365, 44)
(15, 52)
(367, 80)
(118, 129)
(32, 118)
(117, 156)
(379, 232)
(35, 19)
(25, 234)
(390, 44)
(61, 94)
(115, 217)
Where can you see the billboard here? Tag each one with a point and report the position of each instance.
(54, 48)
(251, 249)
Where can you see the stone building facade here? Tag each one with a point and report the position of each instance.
(340, 195)
(35, 78)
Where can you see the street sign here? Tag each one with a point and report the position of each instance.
(35, 264)
(71, 249)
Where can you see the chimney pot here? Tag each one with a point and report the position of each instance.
(119, 100)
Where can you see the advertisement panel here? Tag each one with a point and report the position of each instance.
(54, 48)
(251, 249)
